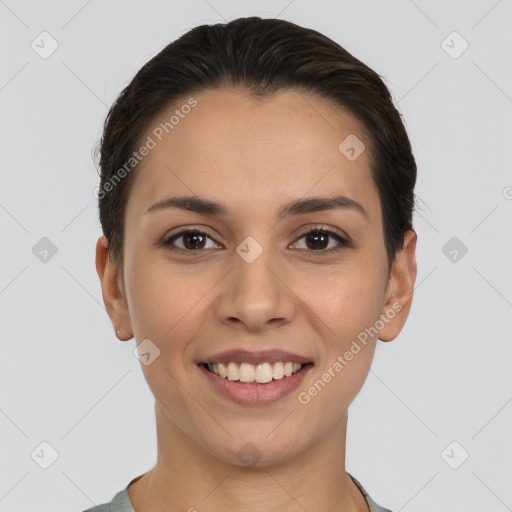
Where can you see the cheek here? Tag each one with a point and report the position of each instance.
(348, 301)
(167, 303)
(170, 302)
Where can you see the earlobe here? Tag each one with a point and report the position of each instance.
(115, 302)
(400, 289)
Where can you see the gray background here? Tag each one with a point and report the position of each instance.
(67, 381)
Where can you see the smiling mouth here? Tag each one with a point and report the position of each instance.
(255, 373)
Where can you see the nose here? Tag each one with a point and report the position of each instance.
(255, 294)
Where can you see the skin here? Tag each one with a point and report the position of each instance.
(253, 156)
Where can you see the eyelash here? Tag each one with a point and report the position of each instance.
(343, 242)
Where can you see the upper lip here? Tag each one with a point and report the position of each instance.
(264, 356)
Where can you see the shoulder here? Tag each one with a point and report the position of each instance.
(120, 503)
(374, 507)
(105, 507)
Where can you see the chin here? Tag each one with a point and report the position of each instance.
(253, 451)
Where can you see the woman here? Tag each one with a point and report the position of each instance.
(256, 200)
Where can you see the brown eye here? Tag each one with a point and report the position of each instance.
(192, 240)
(317, 240)
(323, 240)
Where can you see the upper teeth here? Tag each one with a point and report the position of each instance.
(261, 373)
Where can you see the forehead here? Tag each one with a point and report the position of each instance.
(254, 153)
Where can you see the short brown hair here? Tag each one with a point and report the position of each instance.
(262, 57)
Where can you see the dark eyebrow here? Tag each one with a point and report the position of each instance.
(308, 205)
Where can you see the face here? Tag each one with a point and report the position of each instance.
(267, 278)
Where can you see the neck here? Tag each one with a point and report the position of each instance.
(189, 478)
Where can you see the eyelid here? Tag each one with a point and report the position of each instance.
(325, 228)
(344, 241)
(167, 239)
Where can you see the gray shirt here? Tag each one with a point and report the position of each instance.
(121, 501)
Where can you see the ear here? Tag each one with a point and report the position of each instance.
(400, 289)
(112, 290)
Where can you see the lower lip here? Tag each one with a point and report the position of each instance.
(253, 393)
